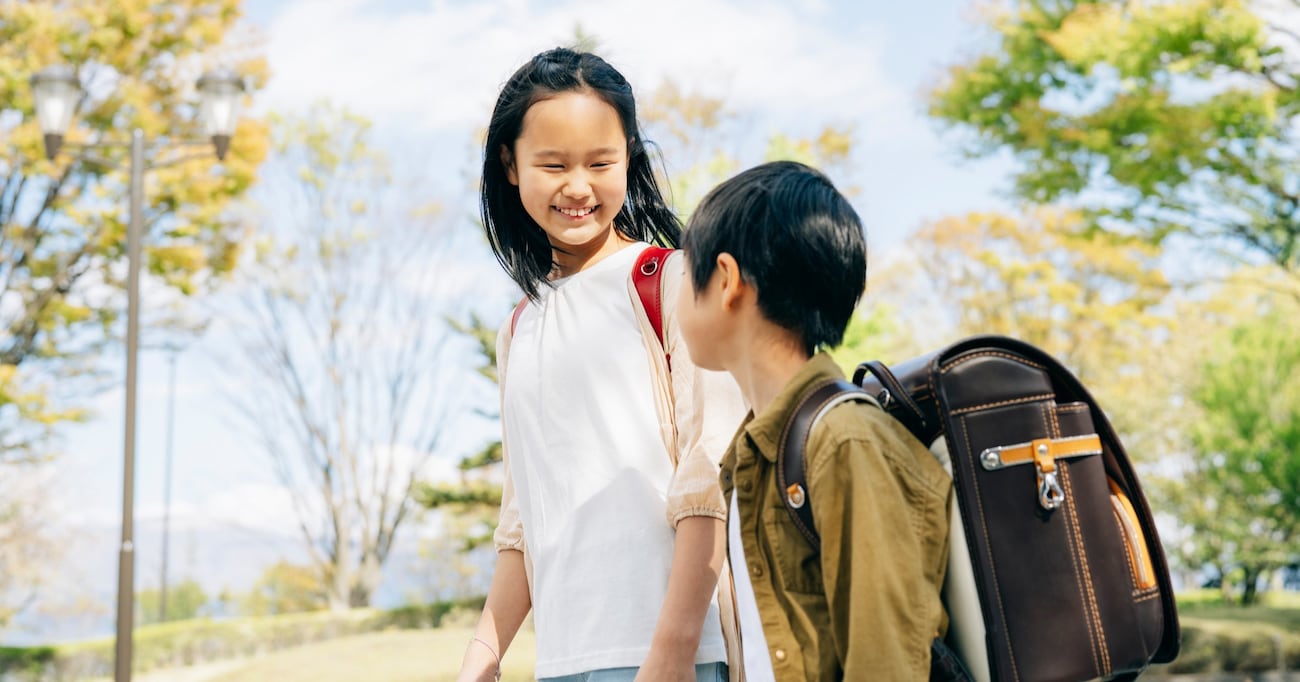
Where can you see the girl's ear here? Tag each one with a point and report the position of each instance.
(508, 162)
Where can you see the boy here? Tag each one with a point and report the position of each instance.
(776, 263)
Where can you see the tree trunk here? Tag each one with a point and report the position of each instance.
(1250, 593)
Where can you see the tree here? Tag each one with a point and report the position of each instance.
(63, 222)
(184, 601)
(27, 547)
(1238, 488)
(1160, 116)
(476, 498)
(1092, 299)
(285, 588)
(341, 334)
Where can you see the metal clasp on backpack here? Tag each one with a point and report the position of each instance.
(1050, 495)
(1043, 453)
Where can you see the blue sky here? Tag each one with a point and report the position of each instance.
(426, 73)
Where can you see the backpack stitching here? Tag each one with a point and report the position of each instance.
(954, 363)
(1103, 650)
(997, 591)
(1005, 403)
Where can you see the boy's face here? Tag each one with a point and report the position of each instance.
(700, 315)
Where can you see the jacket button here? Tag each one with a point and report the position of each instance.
(746, 485)
(756, 569)
(779, 654)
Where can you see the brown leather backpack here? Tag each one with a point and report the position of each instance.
(1056, 571)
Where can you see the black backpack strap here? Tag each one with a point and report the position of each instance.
(791, 465)
(893, 393)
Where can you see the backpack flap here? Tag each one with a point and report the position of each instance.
(1065, 556)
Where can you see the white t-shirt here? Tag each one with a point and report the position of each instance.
(758, 667)
(591, 474)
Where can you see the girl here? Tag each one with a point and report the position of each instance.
(611, 525)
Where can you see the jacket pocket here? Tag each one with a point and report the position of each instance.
(1144, 575)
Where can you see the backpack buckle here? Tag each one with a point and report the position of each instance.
(1050, 494)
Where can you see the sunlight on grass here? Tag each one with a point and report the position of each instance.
(395, 656)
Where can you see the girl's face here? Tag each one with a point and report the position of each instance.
(570, 164)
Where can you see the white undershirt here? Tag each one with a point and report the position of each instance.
(758, 667)
(591, 474)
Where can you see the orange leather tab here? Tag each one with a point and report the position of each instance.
(1045, 451)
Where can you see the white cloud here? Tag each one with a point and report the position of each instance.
(441, 68)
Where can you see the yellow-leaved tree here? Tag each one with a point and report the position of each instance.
(63, 221)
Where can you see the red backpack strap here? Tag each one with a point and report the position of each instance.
(647, 277)
(519, 310)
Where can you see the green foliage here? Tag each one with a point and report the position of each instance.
(873, 334)
(1163, 115)
(29, 661)
(63, 222)
(1210, 646)
(184, 601)
(476, 498)
(1241, 497)
(183, 643)
(420, 616)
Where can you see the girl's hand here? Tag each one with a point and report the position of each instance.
(661, 667)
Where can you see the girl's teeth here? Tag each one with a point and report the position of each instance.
(576, 212)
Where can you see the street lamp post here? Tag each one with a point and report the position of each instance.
(56, 92)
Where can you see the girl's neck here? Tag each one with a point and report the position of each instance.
(574, 259)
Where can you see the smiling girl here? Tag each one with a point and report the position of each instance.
(611, 526)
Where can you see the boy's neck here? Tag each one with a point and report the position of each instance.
(765, 368)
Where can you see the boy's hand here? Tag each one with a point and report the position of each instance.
(660, 665)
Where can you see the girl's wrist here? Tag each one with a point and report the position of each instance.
(493, 664)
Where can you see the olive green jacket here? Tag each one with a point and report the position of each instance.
(868, 605)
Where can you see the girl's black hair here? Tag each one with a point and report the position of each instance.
(518, 242)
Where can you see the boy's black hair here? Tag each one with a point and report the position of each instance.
(518, 242)
(797, 241)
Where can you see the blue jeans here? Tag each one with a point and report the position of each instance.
(705, 672)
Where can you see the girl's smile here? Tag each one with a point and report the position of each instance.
(570, 164)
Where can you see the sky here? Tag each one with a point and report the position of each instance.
(426, 73)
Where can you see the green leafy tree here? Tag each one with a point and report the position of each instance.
(476, 497)
(184, 601)
(1160, 116)
(1239, 491)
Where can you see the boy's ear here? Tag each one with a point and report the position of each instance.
(733, 285)
(508, 162)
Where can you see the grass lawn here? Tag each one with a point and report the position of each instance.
(394, 656)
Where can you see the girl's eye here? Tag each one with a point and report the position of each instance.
(602, 164)
(552, 166)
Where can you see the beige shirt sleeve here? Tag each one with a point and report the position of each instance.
(707, 411)
(510, 529)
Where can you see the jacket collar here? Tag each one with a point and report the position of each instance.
(766, 429)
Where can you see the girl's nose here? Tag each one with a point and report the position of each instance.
(577, 185)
